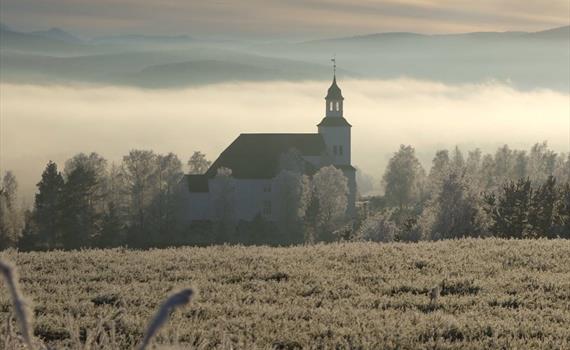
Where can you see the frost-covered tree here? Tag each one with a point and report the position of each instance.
(440, 168)
(541, 162)
(404, 178)
(11, 223)
(198, 164)
(455, 209)
(330, 189)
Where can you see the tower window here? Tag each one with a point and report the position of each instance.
(331, 106)
(337, 106)
(335, 150)
(340, 150)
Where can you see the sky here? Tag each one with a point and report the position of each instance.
(265, 19)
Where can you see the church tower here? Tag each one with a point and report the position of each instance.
(334, 128)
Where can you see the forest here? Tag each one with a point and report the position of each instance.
(139, 202)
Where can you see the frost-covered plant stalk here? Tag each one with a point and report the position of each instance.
(20, 307)
(180, 298)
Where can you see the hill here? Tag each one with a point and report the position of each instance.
(524, 60)
(494, 294)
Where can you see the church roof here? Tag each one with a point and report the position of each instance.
(334, 121)
(257, 156)
(334, 92)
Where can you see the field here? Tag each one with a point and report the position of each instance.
(494, 294)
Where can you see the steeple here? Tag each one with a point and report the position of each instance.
(334, 99)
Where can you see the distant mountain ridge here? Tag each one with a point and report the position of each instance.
(58, 34)
(555, 33)
(525, 60)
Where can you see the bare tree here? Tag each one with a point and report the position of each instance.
(11, 220)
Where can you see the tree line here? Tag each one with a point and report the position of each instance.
(141, 202)
(509, 194)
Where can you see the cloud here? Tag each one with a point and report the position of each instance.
(40, 123)
(316, 18)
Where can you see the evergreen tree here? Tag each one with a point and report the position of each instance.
(562, 212)
(541, 211)
(47, 215)
(509, 209)
(80, 223)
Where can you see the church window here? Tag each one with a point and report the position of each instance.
(331, 106)
(267, 208)
(267, 188)
(340, 150)
(337, 106)
(335, 150)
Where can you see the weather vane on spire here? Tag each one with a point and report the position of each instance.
(333, 60)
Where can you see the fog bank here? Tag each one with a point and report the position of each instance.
(39, 123)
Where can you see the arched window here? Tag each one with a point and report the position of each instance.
(337, 106)
(331, 106)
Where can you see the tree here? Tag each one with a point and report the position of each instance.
(404, 178)
(84, 199)
(112, 228)
(457, 160)
(47, 208)
(455, 209)
(542, 209)
(509, 209)
(198, 164)
(562, 212)
(80, 223)
(163, 208)
(293, 193)
(330, 189)
(10, 216)
(440, 168)
(139, 172)
(541, 162)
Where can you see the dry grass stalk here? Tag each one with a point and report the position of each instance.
(180, 298)
(20, 306)
(434, 295)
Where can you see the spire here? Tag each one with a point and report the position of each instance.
(334, 99)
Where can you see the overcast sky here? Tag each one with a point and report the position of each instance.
(283, 18)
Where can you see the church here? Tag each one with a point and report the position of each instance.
(254, 161)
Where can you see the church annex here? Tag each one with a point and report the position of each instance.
(254, 161)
